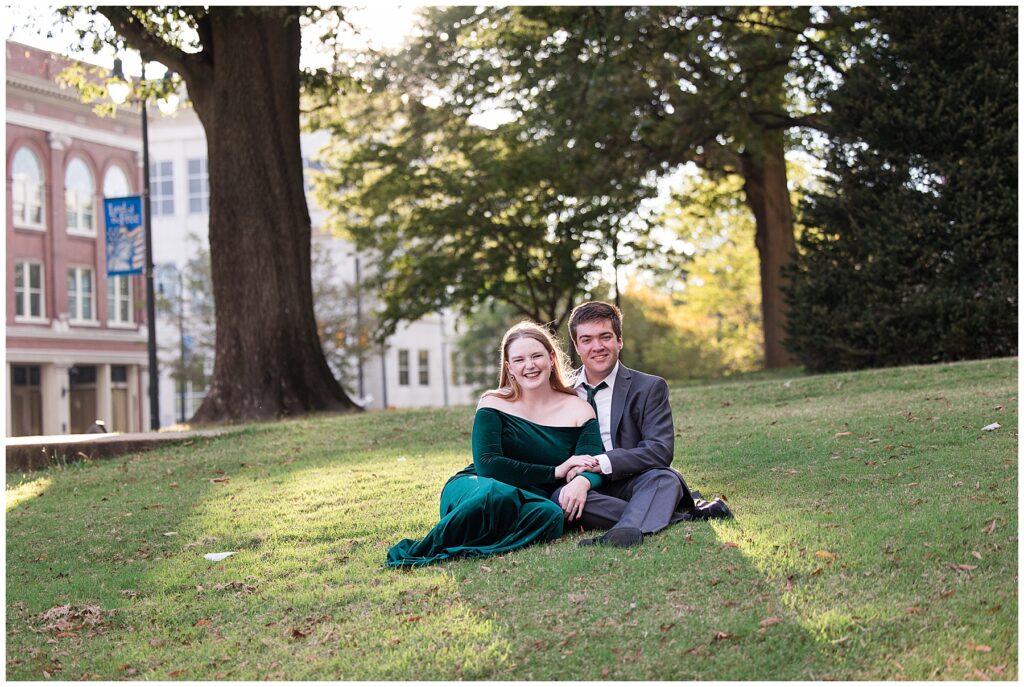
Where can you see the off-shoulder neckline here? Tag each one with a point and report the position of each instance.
(520, 417)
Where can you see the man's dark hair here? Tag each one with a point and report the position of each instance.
(593, 311)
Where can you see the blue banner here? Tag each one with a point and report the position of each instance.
(126, 244)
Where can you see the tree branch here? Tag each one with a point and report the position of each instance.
(192, 67)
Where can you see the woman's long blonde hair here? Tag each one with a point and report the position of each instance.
(508, 389)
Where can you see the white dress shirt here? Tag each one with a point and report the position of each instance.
(603, 399)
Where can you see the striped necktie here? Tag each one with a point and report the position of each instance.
(592, 393)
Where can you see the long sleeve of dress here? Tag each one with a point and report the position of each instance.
(589, 444)
(491, 462)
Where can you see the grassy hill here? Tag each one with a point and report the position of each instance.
(875, 538)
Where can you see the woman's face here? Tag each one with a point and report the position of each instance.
(530, 363)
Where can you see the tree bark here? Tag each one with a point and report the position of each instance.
(269, 361)
(244, 85)
(767, 193)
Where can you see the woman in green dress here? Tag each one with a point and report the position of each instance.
(527, 435)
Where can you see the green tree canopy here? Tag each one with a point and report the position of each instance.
(911, 253)
(650, 88)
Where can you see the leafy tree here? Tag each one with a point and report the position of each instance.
(185, 296)
(346, 318)
(911, 253)
(456, 214)
(654, 87)
(241, 67)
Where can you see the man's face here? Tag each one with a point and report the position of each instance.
(598, 348)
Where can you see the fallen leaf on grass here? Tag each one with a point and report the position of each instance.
(605, 671)
(730, 545)
(843, 434)
(666, 628)
(175, 673)
(768, 622)
(720, 635)
(220, 480)
(976, 555)
(485, 568)
(947, 594)
(983, 648)
(412, 618)
(825, 555)
(913, 610)
(962, 567)
(296, 633)
(981, 675)
(990, 528)
(394, 641)
(203, 622)
(219, 556)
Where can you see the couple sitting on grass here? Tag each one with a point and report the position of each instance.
(546, 452)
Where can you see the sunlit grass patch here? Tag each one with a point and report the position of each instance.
(23, 491)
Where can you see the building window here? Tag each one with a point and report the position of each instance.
(79, 192)
(27, 190)
(161, 187)
(424, 368)
(80, 301)
(119, 299)
(198, 187)
(115, 183)
(403, 367)
(28, 291)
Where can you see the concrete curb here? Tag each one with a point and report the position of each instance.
(38, 452)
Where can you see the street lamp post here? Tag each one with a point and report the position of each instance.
(120, 90)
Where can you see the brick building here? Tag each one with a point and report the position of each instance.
(76, 338)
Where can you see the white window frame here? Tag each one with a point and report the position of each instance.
(18, 182)
(403, 367)
(157, 198)
(116, 297)
(107, 177)
(24, 296)
(74, 203)
(76, 276)
(423, 367)
(202, 178)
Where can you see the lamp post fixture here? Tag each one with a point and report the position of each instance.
(120, 90)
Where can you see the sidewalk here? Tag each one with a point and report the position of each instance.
(34, 453)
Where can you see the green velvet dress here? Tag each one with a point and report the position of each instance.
(502, 501)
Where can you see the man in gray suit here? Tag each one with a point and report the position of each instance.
(643, 494)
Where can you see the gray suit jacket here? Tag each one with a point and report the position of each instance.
(642, 433)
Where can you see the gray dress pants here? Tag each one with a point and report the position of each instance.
(647, 501)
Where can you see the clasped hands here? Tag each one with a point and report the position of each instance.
(573, 496)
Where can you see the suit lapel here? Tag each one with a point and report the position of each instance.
(622, 381)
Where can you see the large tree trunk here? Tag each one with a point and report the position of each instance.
(268, 362)
(767, 193)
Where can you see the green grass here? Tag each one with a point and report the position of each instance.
(875, 538)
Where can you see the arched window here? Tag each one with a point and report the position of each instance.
(79, 191)
(27, 189)
(115, 183)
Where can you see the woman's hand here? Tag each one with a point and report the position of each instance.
(585, 462)
(573, 497)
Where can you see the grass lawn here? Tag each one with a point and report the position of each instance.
(875, 538)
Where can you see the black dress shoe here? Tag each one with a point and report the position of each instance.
(711, 510)
(622, 537)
